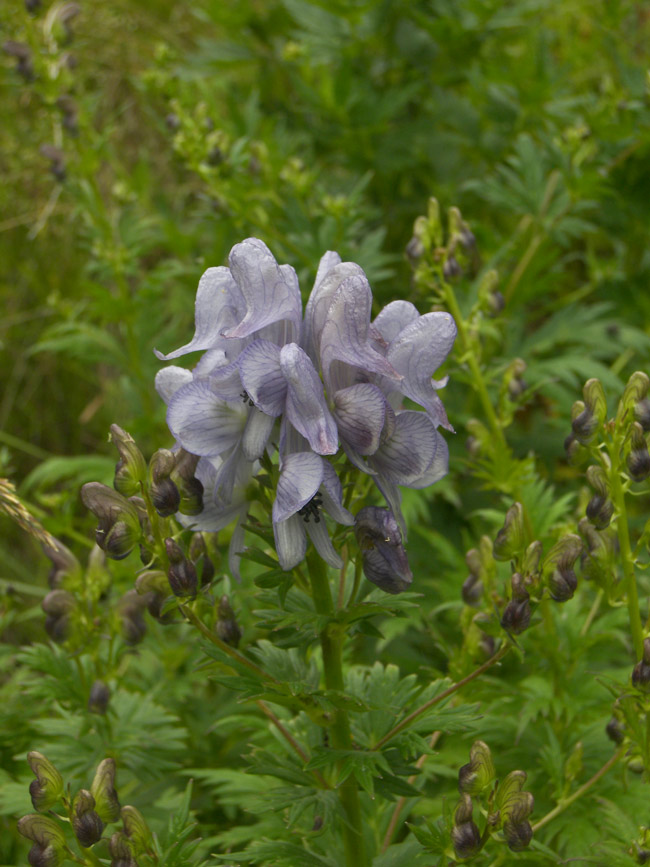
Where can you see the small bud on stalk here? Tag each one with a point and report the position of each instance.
(181, 572)
(103, 791)
(47, 788)
(384, 558)
(517, 613)
(511, 538)
(87, 824)
(641, 672)
(99, 697)
(638, 460)
(465, 835)
(227, 627)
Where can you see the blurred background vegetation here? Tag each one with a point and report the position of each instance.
(140, 141)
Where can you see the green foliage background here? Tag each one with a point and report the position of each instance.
(318, 126)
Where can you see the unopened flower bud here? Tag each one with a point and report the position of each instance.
(559, 567)
(642, 413)
(511, 538)
(518, 835)
(571, 447)
(190, 488)
(43, 831)
(131, 610)
(516, 615)
(68, 108)
(23, 57)
(57, 161)
(472, 590)
(638, 460)
(479, 772)
(451, 268)
(641, 672)
(47, 788)
(165, 497)
(496, 302)
(136, 829)
(595, 400)
(466, 840)
(227, 627)
(172, 122)
(119, 523)
(32, 6)
(181, 572)
(615, 731)
(103, 791)
(199, 556)
(635, 391)
(414, 250)
(121, 850)
(99, 697)
(384, 558)
(58, 602)
(45, 856)
(600, 511)
(131, 471)
(86, 823)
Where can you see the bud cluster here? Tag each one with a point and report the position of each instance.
(506, 805)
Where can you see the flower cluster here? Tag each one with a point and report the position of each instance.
(333, 379)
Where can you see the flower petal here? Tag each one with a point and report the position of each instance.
(270, 290)
(345, 333)
(218, 303)
(320, 537)
(169, 380)
(393, 318)
(306, 407)
(203, 422)
(300, 478)
(407, 455)
(261, 376)
(439, 466)
(360, 412)
(332, 494)
(327, 282)
(290, 541)
(416, 353)
(256, 434)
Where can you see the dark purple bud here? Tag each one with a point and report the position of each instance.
(517, 613)
(32, 6)
(47, 788)
(181, 572)
(641, 672)
(121, 849)
(227, 627)
(191, 489)
(99, 697)
(58, 602)
(642, 413)
(86, 823)
(172, 122)
(466, 839)
(615, 731)
(479, 772)
(638, 460)
(496, 302)
(23, 58)
(571, 448)
(45, 856)
(119, 529)
(518, 834)
(384, 558)
(131, 610)
(58, 628)
(451, 268)
(414, 250)
(585, 423)
(57, 161)
(562, 584)
(165, 497)
(600, 511)
(472, 590)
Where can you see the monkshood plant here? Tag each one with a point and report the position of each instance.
(295, 435)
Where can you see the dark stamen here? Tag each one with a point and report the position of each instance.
(312, 509)
(246, 397)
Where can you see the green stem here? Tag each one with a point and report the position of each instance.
(478, 380)
(618, 498)
(442, 696)
(332, 645)
(227, 649)
(561, 807)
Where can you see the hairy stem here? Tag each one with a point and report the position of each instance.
(501, 652)
(332, 646)
(561, 807)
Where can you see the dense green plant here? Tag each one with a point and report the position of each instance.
(321, 720)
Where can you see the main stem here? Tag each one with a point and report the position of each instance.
(618, 498)
(331, 646)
